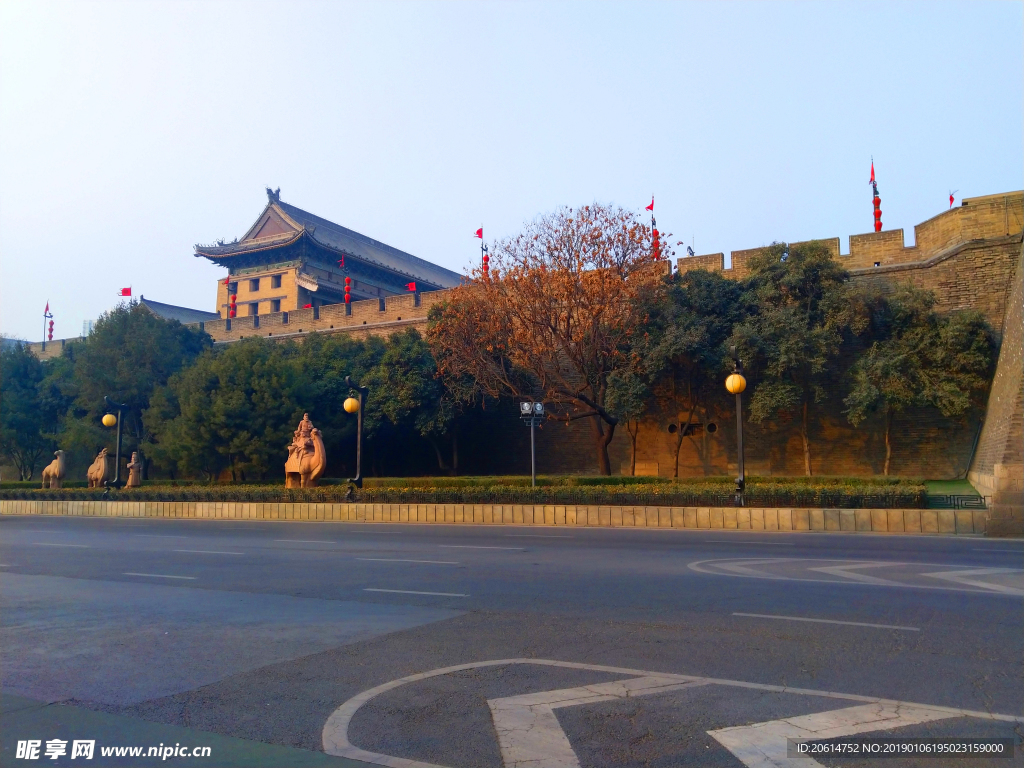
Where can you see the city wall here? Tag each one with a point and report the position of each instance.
(968, 256)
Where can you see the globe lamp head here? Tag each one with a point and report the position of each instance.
(109, 420)
(735, 383)
(351, 405)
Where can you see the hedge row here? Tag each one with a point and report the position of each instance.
(897, 495)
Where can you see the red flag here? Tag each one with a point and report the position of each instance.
(651, 206)
(872, 172)
(411, 286)
(45, 311)
(341, 262)
(480, 233)
(950, 201)
(125, 292)
(307, 306)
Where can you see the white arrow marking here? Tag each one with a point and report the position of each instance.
(845, 572)
(335, 732)
(742, 567)
(528, 730)
(763, 745)
(963, 577)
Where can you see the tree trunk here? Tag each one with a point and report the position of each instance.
(679, 445)
(807, 442)
(632, 442)
(440, 458)
(602, 438)
(888, 445)
(455, 451)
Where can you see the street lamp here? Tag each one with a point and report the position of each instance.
(532, 414)
(736, 384)
(109, 420)
(353, 405)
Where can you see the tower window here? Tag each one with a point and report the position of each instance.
(275, 282)
(254, 309)
(254, 285)
(275, 305)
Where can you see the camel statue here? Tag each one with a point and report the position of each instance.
(97, 473)
(134, 472)
(306, 456)
(54, 473)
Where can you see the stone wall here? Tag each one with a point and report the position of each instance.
(998, 466)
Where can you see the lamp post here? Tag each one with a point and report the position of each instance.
(736, 383)
(352, 405)
(108, 421)
(532, 414)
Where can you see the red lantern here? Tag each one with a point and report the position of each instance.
(231, 312)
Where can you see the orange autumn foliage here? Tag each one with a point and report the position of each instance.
(556, 316)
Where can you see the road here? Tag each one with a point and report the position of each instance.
(615, 647)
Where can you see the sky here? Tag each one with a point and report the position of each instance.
(130, 131)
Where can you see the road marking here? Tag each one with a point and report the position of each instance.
(963, 577)
(739, 567)
(6, 565)
(306, 541)
(827, 621)
(398, 560)
(990, 549)
(536, 536)
(161, 576)
(208, 552)
(763, 745)
(845, 571)
(529, 733)
(335, 732)
(754, 543)
(413, 592)
(475, 546)
(156, 536)
(46, 544)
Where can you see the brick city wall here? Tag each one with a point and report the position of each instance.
(968, 256)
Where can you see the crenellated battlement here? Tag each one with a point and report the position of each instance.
(966, 255)
(976, 218)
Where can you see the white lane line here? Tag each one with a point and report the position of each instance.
(989, 549)
(47, 544)
(474, 546)
(528, 729)
(399, 560)
(156, 536)
(413, 592)
(755, 543)
(6, 565)
(533, 536)
(306, 541)
(161, 576)
(763, 745)
(827, 621)
(208, 552)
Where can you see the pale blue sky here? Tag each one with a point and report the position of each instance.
(130, 131)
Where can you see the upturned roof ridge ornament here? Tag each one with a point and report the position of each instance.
(274, 195)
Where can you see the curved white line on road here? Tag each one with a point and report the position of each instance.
(335, 732)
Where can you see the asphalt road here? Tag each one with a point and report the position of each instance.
(663, 647)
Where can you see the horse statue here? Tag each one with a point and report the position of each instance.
(55, 471)
(99, 470)
(307, 459)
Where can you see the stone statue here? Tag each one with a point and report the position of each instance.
(134, 471)
(97, 473)
(306, 457)
(53, 475)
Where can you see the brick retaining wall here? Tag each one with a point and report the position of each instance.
(728, 518)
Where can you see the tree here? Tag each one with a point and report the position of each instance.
(406, 390)
(791, 343)
(26, 426)
(556, 317)
(130, 354)
(234, 409)
(686, 355)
